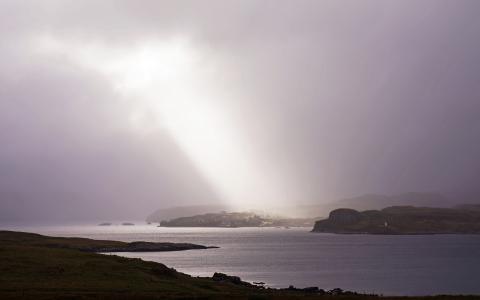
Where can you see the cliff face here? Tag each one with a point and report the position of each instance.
(345, 216)
(401, 220)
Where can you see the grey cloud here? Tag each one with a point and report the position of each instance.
(340, 97)
(66, 153)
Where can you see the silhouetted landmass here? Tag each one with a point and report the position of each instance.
(378, 201)
(403, 220)
(89, 245)
(34, 266)
(182, 211)
(475, 207)
(235, 219)
(366, 202)
(312, 211)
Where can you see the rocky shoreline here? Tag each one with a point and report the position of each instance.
(315, 290)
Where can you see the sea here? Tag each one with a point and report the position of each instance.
(280, 257)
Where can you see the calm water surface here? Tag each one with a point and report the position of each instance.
(390, 265)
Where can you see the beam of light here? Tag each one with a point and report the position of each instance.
(173, 87)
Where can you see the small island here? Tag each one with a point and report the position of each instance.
(105, 224)
(403, 220)
(236, 219)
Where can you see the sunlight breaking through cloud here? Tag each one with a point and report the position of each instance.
(171, 86)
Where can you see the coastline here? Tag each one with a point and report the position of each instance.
(35, 268)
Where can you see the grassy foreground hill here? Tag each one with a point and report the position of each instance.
(403, 220)
(38, 267)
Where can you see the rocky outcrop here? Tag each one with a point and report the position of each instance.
(221, 277)
(345, 216)
(318, 291)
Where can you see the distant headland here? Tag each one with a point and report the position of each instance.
(236, 219)
(462, 219)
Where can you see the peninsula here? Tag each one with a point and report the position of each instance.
(403, 220)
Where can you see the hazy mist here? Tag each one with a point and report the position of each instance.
(112, 109)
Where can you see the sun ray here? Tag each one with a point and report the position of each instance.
(172, 88)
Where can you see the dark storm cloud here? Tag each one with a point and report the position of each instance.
(341, 97)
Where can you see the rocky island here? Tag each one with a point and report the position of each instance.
(403, 220)
(236, 219)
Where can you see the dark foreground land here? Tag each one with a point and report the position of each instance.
(33, 266)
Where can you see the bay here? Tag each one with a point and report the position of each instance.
(388, 265)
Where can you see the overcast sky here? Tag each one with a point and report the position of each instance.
(112, 109)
